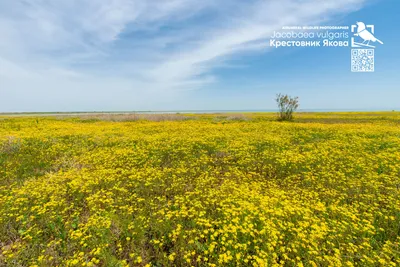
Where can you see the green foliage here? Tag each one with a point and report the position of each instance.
(286, 105)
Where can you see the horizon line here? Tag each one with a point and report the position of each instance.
(199, 111)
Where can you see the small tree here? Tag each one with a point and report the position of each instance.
(286, 105)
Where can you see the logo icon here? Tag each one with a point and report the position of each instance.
(365, 35)
(362, 52)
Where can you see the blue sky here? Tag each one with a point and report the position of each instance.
(113, 55)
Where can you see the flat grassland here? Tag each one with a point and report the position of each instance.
(200, 190)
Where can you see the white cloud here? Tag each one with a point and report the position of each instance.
(142, 47)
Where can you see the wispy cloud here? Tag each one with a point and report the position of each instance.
(136, 47)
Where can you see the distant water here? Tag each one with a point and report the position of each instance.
(74, 113)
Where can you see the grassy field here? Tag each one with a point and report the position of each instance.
(200, 190)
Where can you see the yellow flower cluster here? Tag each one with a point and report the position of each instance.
(208, 191)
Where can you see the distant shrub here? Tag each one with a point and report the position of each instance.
(286, 105)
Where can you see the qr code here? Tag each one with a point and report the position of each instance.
(362, 60)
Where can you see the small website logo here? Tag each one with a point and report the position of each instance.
(362, 52)
(359, 38)
(365, 35)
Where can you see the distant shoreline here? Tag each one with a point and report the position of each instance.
(71, 113)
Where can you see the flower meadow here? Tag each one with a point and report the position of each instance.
(205, 190)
